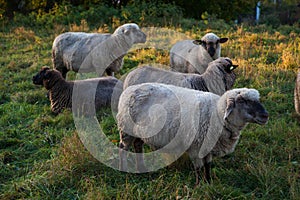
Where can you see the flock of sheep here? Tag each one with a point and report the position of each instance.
(193, 105)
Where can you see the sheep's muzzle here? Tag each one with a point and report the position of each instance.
(261, 115)
(211, 51)
(37, 79)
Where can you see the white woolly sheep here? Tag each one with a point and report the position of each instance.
(89, 52)
(202, 123)
(60, 91)
(218, 78)
(193, 56)
(297, 93)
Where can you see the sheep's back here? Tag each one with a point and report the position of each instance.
(74, 47)
(98, 92)
(183, 47)
(179, 55)
(187, 57)
(159, 113)
(148, 74)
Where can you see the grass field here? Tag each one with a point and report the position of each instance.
(42, 157)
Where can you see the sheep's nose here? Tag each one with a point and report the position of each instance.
(211, 51)
(34, 79)
(265, 115)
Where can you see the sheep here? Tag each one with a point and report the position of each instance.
(218, 78)
(297, 93)
(193, 56)
(200, 123)
(99, 92)
(89, 52)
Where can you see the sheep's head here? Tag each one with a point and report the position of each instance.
(44, 76)
(132, 31)
(243, 106)
(225, 64)
(224, 67)
(40, 76)
(211, 43)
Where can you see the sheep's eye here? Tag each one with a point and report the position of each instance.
(241, 100)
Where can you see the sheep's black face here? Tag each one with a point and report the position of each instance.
(252, 111)
(226, 68)
(40, 76)
(210, 47)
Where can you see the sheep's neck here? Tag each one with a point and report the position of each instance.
(61, 95)
(215, 82)
(228, 139)
(121, 47)
(199, 83)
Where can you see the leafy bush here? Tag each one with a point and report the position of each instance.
(99, 15)
(151, 13)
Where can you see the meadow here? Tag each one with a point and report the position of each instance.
(42, 157)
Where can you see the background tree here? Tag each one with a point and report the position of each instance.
(274, 11)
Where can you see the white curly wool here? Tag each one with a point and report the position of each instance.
(250, 94)
(218, 78)
(89, 52)
(194, 119)
(125, 27)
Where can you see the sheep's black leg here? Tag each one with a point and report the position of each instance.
(138, 148)
(64, 72)
(198, 174)
(109, 72)
(207, 172)
(206, 175)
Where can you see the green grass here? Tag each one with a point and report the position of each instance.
(42, 157)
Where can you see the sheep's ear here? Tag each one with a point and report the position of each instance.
(198, 42)
(230, 68)
(45, 68)
(229, 108)
(223, 40)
